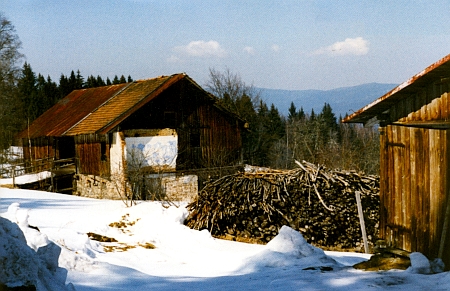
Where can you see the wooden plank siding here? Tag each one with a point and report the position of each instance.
(93, 155)
(414, 172)
(219, 144)
(37, 153)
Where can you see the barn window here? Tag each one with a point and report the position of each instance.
(194, 140)
(170, 118)
(103, 151)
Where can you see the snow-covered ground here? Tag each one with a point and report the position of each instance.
(27, 178)
(183, 259)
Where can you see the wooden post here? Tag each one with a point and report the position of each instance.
(14, 176)
(361, 221)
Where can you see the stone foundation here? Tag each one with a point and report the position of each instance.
(181, 188)
(96, 187)
(169, 185)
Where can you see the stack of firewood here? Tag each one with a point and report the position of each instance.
(320, 203)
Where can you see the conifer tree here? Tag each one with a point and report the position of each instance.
(51, 90)
(64, 87)
(100, 81)
(28, 92)
(292, 115)
(79, 81)
(276, 126)
(91, 82)
(301, 114)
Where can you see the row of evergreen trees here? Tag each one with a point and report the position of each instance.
(37, 93)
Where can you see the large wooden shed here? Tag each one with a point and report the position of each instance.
(167, 125)
(414, 124)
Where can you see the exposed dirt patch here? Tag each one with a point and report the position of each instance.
(100, 238)
(120, 247)
(111, 244)
(124, 223)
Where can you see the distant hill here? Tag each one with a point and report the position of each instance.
(343, 101)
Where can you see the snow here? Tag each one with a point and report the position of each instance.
(25, 179)
(61, 256)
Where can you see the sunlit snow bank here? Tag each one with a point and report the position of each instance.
(27, 256)
(289, 248)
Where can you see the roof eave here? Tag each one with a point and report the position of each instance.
(382, 104)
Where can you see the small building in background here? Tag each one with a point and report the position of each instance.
(152, 138)
(414, 124)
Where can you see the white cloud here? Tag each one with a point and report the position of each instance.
(350, 46)
(275, 48)
(201, 48)
(250, 50)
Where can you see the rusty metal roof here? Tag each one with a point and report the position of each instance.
(69, 110)
(97, 110)
(433, 73)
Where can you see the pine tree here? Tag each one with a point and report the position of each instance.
(313, 115)
(301, 114)
(122, 79)
(72, 81)
(129, 79)
(116, 80)
(276, 126)
(100, 81)
(64, 87)
(51, 90)
(292, 115)
(28, 92)
(328, 117)
(79, 81)
(91, 82)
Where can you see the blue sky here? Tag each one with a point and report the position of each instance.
(271, 44)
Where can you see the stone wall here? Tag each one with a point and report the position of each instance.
(95, 187)
(181, 188)
(176, 188)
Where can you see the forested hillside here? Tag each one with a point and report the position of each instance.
(344, 100)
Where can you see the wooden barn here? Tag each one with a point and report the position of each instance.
(414, 124)
(167, 125)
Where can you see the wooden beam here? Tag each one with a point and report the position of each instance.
(424, 124)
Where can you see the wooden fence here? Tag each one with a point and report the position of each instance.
(56, 167)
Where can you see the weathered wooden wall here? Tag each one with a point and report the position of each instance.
(219, 140)
(208, 136)
(38, 148)
(93, 155)
(415, 170)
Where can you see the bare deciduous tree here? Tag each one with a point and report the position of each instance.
(10, 57)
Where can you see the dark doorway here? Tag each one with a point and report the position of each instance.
(66, 147)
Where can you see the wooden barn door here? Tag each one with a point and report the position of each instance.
(414, 173)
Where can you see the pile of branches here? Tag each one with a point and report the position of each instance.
(319, 203)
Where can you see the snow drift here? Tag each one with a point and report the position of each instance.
(28, 257)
